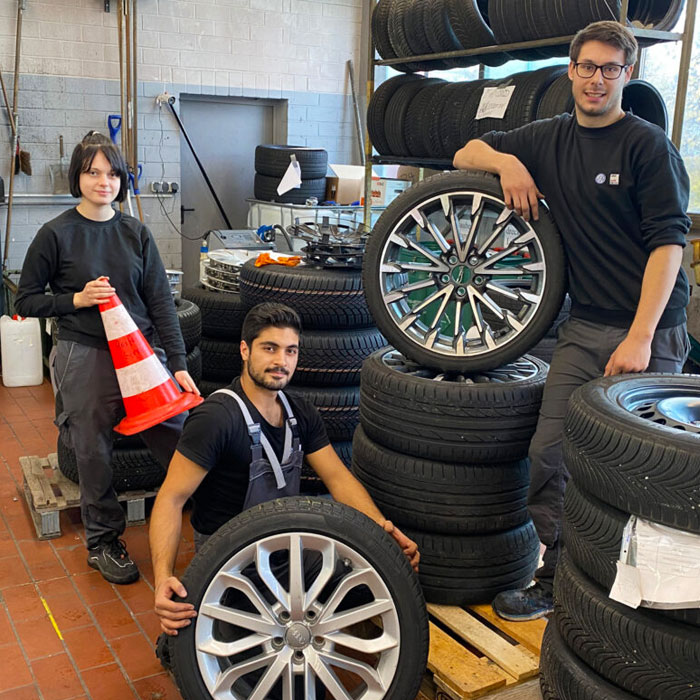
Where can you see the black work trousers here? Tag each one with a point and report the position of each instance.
(91, 406)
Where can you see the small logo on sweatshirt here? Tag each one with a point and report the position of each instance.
(600, 178)
(614, 178)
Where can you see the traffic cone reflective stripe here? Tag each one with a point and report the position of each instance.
(150, 396)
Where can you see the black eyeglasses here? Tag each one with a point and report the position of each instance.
(610, 71)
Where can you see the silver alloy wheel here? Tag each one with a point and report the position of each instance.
(520, 370)
(287, 632)
(674, 407)
(461, 274)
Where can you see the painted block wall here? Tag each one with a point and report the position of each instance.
(292, 50)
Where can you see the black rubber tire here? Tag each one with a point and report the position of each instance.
(334, 358)
(449, 421)
(274, 160)
(433, 117)
(332, 520)
(633, 464)
(397, 36)
(457, 116)
(311, 483)
(464, 570)
(440, 497)
(441, 36)
(645, 101)
(415, 29)
(563, 676)
(221, 359)
(190, 318)
(552, 297)
(265, 188)
(194, 364)
(544, 349)
(323, 298)
(418, 119)
(593, 536)
(636, 650)
(396, 114)
(379, 102)
(134, 468)
(380, 30)
(338, 407)
(208, 387)
(557, 99)
(222, 312)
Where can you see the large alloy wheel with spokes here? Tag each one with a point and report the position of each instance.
(458, 281)
(287, 595)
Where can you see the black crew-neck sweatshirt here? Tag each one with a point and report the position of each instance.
(615, 193)
(71, 250)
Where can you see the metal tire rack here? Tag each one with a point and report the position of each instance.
(686, 39)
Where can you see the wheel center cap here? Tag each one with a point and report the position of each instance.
(461, 274)
(298, 636)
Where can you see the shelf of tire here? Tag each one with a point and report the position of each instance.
(627, 454)
(134, 468)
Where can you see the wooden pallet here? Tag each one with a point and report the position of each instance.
(481, 655)
(48, 492)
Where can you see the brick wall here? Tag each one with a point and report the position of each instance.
(295, 50)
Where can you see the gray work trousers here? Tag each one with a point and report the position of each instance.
(92, 405)
(583, 349)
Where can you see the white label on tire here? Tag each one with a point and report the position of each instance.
(494, 102)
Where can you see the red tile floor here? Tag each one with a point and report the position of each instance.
(99, 645)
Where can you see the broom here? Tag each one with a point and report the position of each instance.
(22, 159)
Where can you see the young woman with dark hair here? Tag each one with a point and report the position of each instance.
(85, 255)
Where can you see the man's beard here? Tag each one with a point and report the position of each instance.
(264, 382)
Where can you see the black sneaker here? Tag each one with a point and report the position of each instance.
(113, 561)
(524, 604)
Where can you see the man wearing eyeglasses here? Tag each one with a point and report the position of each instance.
(618, 191)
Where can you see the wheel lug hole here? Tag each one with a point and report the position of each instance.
(310, 616)
(453, 260)
(445, 279)
(277, 642)
(473, 260)
(298, 657)
(318, 642)
(285, 616)
(478, 279)
(461, 291)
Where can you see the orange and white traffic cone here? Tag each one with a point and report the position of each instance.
(150, 396)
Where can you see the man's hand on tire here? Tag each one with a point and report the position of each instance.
(173, 616)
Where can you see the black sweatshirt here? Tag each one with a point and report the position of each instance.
(616, 193)
(71, 250)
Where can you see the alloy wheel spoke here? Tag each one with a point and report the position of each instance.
(245, 586)
(501, 223)
(263, 566)
(226, 649)
(270, 677)
(351, 617)
(415, 313)
(248, 621)
(368, 646)
(431, 229)
(328, 557)
(402, 292)
(364, 671)
(296, 578)
(438, 265)
(329, 679)
(226, 679)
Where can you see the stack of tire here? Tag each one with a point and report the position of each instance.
(338, 334)
(632, 445)
(445, 458)
(272, 162)
(411, 115)
(222, 315)
(133, 465)
(405, 28)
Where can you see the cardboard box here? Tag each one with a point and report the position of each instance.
(346, 185)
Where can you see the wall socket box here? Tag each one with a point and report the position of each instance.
(163, 187)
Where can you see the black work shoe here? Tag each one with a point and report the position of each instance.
(112, 560)
(524, 604)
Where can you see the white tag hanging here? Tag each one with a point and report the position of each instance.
(292, 178)
(494, 102)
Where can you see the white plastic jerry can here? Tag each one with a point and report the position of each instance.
(20, 342)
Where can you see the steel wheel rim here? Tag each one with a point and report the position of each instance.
(520, 370)
(455, 248)
(675, 407)
(292, 634)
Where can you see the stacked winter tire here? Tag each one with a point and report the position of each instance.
(411, 115)
(406, 28)
(133, 465)
(338, 333)
(272, 162)
(632, 445)
(445, 458)
(222, 315)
